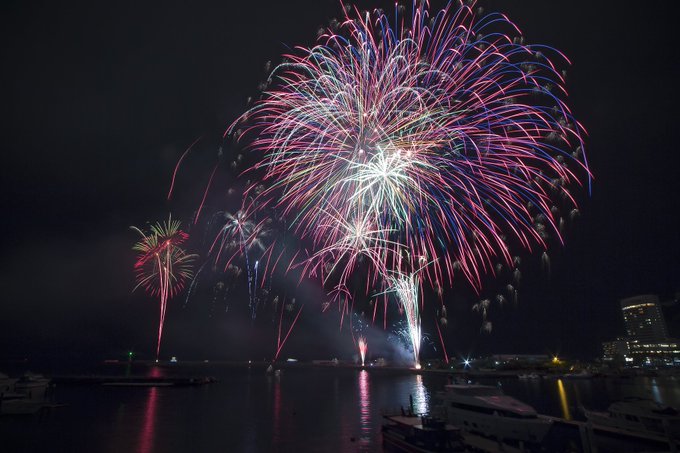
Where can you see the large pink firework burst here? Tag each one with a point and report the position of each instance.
(446, 134)
(434, 142)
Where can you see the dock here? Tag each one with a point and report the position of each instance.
(133, 381)
(585, 437)
(594, 438)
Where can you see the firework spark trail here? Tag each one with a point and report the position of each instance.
(194, 283)
(162, 266)
(406, 289)
(242, 234)
(253, 290)
(443, 133)
(179, 162)
(354, 238)
(363, 348)
(441, 341)
(205, 193)
(279, 341)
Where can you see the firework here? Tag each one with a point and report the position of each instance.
(363, 348)
(281, 341)
(406, 289)
(442, 131)
(242, 235)
(162, 267)
(437, 142)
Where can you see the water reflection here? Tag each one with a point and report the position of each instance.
(277, 411)
(146, 438)
(661, 390)
(365, 408)
(656, 393)
(156, 371)
(564, 404)
(307, 410)
(421, 398)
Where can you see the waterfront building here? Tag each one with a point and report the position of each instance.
(616, 351)
(644, 319)
(647, 342)
(664, 352)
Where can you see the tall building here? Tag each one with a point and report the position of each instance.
(644, 319)
(647, 340)
(616, 350)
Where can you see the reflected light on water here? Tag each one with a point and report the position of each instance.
(564, 404)
(656, 393)
(146, 437)
(421, 399)
(277, 411)
(365, 408)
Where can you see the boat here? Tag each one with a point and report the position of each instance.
(528, 376)
(486, 410)
(6, 383)
(638, 415)
(31, 380)
(31, 384)
(412, 433)
(583, 374)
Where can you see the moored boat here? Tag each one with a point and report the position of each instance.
(583, 374)
(528, 376)
(423, 434)
(6, 383)
(30, 381)
(638, 415)
(486, 410)
(34, 386)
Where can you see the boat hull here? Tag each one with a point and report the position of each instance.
(413, 434)
(640, 423)
(487, 411)
(502, 428)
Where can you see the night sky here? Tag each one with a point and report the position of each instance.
(100, 99)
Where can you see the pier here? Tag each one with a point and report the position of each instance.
(132, 381)
(582, 436)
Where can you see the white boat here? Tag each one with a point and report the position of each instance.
(583, 374)
(488, 411)
(31, 380)
(32, 385)
(528, 376)
(6, 383)
(640, 416)
(413, 434)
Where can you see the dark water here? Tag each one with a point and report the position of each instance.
(306, 409)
